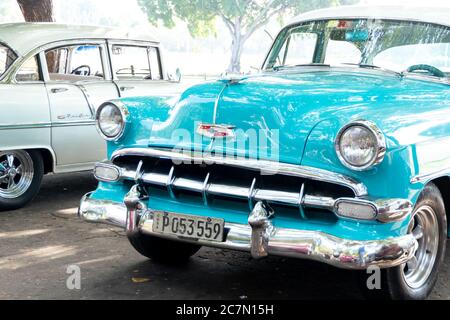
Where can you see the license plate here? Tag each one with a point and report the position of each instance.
(187, 226)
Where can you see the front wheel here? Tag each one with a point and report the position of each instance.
(415, 279)
(21, 175)
(162, 250)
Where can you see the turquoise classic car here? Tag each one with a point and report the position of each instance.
(337, 151)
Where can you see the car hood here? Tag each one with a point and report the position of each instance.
(273, 114)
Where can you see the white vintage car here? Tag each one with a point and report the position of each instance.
(52, 80)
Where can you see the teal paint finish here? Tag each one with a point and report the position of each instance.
(299, 113)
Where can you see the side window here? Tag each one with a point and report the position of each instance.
(75, 63)
(135, 62)
(155, 63)
(7, 57)
(87, 60)
(298, 49)
(29, 71)
(342, 52)
(399, 58)
(57, 61)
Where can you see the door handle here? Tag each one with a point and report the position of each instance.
(57, 90)
(126, 88)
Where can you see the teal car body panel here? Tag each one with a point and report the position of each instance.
(299, 114)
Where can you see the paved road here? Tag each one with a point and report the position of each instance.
(39, 242)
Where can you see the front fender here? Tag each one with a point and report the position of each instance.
(143, 113)
(390, 179)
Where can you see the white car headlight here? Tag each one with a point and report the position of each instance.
(111, 120)
(360, 145)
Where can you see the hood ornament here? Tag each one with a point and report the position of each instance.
(216, 131)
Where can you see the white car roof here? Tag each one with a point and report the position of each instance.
(436, 15)
(25, 37)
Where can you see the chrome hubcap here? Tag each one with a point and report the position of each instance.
(425, 228)
(16, 173)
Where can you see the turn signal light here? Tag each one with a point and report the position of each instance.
(107, 173)
(359, 210)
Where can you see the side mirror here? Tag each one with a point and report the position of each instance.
(174, 77)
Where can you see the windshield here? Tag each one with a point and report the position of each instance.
(7, 57)
(393, 45)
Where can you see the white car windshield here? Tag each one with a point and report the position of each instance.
(395, 45)
(7, 57)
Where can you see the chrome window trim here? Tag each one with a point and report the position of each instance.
(9, 77)
(134, 43)
(418, 77)
(103, 42)
(18, 58)
(100, 43)
(252, 164)
(379, 136)
(367, 17)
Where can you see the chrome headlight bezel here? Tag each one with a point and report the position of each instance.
(380, 143)
(124, 115)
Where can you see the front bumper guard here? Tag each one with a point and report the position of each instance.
(260, 237)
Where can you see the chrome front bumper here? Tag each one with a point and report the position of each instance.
(261, 238)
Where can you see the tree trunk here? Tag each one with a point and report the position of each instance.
(236, 48)
(36, 10)
(236, 53)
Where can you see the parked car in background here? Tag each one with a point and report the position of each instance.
(52, 80)
(353, 104)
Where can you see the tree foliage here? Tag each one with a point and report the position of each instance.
(241, 17)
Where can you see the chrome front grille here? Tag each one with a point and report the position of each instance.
(242, 181)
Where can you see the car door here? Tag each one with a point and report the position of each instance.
(24, 115)
(78, 80)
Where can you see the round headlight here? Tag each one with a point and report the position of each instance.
(111, 121)
(360, 145)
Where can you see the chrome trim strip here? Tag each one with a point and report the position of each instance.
(73, 123)
(251, 194)
(312, 245)
(430, 176)
(47, 125)
(216, 102)
(171, 182)
(25, 126)
(88, 99)
(205, 187)
(251, 164)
